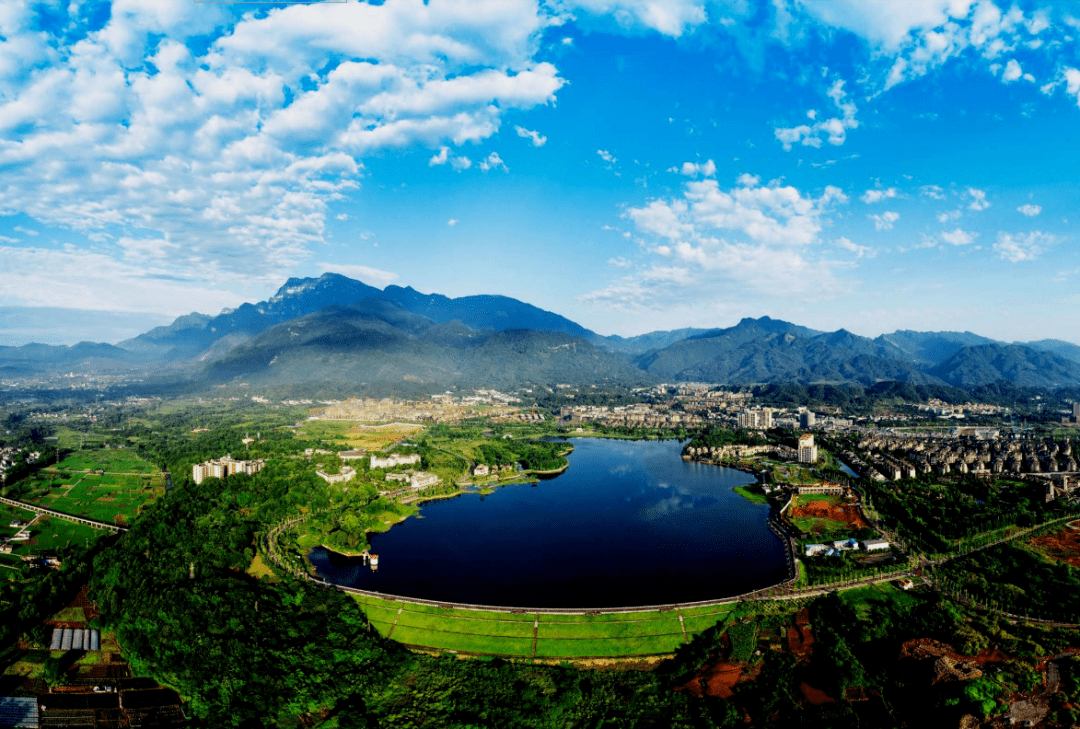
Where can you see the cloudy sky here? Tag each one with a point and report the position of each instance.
(631, 164)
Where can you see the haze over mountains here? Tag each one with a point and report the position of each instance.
(338, 330)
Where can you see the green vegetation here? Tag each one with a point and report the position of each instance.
(753, 494)
(1015, 579)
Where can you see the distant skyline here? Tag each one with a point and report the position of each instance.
(632, 165)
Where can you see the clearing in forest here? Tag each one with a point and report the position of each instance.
(818, 514)
(1063, 545)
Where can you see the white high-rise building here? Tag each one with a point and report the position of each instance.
(807, 449)
(755, 419)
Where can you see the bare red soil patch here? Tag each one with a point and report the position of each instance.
(1063, 546)
(845, 513)
(817, 697)
(716, 680)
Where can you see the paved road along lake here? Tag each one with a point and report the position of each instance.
(628, 523)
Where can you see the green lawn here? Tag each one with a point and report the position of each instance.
(557, 635)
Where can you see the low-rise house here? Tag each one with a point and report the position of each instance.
(480, 469)
(353, 455)
(814, 550)
(874, 545)
(844, 545)
(394, 460)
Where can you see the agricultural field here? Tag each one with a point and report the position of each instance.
(540, 635)
(823, 514)
(366, 437)
(78, 486)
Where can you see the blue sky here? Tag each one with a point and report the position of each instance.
(631, 164)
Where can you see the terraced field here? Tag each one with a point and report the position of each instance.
(540, 635)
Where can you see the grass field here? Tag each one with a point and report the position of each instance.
(369, 438)
(109, 460)
(883, 593)
(610, 635)
(114, 497)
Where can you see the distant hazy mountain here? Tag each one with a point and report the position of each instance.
(82, 356)
(336, 329)
(192, 334)
(768, 350)
(932, 348)
(1068, 350)
(988, 363)
(379, 343)
(645, 342)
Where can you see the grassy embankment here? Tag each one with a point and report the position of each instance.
(752, 493)
(608, 635)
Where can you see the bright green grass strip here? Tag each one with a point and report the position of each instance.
(605, 617)
(446, 612)
(383, 628)
(509, 629)
(608, 648)
(608, 630)
(708, 610)
(383, 614)
(701, 623)
(463, 642)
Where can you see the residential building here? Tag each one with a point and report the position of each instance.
(755, 419)
(480, 469)
(225, 467)
(807, 420)
(807, 449)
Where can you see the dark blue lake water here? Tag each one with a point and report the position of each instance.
(628, 523)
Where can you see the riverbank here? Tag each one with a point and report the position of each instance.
(752, 493)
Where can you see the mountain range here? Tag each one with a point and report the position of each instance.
(333, 329)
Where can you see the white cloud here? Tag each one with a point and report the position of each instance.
(978, 199)
(671, 18)
(452, 222)
(933, 192)
(874, 196)
(848, 245)
(693, 169)
(538, 140)
(606, 156)
(1030, 210)
(26, 231)
(76, 279)
(711, 241)
(959, 237)
(949, 216)
(619, 262)
(1024, 246)
(460, 164)
(440, 158)
(884, 221)
(834, 129)
(234, 151)
(342, 217)
(367, 274)
(493, 162)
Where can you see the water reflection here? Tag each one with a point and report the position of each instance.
(629, 523)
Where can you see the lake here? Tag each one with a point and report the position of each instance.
(628, 523)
